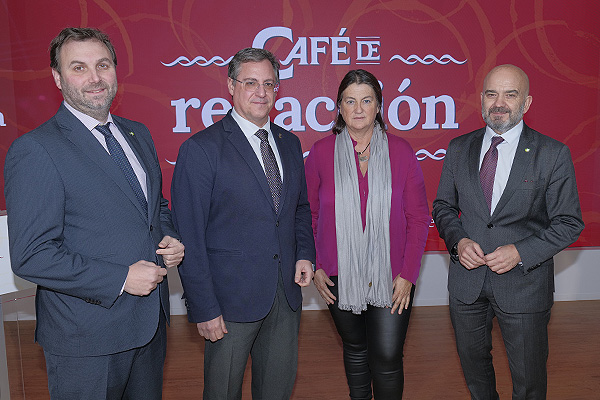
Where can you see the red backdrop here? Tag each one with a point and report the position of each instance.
(430, 56)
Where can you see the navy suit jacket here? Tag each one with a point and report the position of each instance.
(538, 212)
(235, 242)
(75, 226)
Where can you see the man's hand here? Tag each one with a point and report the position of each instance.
(503, 259)
(212, 330)
(143, 277)
(304, 273)
(470, 254)
(401, 294)
(322, 283)
(171, 250)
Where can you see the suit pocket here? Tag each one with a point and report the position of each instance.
(211, 251)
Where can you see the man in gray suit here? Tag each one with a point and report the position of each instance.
(506, 204)
(88, 224)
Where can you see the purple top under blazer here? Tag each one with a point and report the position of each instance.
(409, 216)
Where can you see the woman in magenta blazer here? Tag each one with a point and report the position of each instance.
(370, 221)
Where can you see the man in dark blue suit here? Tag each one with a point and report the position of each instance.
(240, 204)
(88, 224)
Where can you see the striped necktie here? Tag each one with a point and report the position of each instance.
(271, 168)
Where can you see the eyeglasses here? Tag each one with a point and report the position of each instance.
(252, 85)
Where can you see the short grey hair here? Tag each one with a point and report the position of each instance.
(251, 54)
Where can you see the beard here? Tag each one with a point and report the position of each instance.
(497, 124)
(94, 106)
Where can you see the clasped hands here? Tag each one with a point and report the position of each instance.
(501, 260)
(144, 276)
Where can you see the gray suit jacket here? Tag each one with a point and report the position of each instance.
(75, 226)
(538, 212)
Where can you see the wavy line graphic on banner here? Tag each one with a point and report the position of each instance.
(427, 60)
(201, 61)
(437, 156)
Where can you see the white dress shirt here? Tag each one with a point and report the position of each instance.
(249, 130)
(91, 123)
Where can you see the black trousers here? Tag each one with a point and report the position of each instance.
(372, 343)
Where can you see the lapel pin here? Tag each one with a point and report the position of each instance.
(527, 150)
(280, 136)
(132, 134)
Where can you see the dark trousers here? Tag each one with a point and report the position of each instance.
(135, 374)
(372, 343)
(271, 342)
(525, 339)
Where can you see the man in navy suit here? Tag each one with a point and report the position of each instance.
(506, 204)
(240, 204)
(88, 224)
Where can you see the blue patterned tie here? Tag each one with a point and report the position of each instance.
(487, 172)
(118, 155)
(271, 168)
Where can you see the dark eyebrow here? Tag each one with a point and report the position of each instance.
(511, 91)
(102, 60)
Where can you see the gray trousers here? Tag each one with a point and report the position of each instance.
(525, 338)
(271, 342)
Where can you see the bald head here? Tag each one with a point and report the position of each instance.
(505, 97)
(513, 72)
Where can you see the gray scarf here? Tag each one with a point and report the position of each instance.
(364, 268)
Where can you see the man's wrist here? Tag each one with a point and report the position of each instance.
(454, 252)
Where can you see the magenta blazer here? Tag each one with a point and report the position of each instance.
(409, 217)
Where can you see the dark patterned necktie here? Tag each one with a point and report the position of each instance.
(118, 155)
(487, 172)
(271, 168)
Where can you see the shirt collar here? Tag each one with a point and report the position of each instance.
(247, 127)
(85, 119)
(510, 136)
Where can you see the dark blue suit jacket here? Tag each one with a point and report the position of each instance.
(235, 242)
(75, 226)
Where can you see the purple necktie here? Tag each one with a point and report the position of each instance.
(487, 172)
(271, 168)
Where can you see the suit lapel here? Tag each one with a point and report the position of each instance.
(240, 142)
(83, 139)
(473, 157)
(526, 150)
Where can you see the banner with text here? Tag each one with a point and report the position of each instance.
(430, 57)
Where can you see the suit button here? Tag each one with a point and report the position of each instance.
(490, 226)
(275, 256)
(151, 228)
(277, 224)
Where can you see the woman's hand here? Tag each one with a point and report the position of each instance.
(322, 282)
(401, 294)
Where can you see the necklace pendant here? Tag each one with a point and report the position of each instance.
(363, 158)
